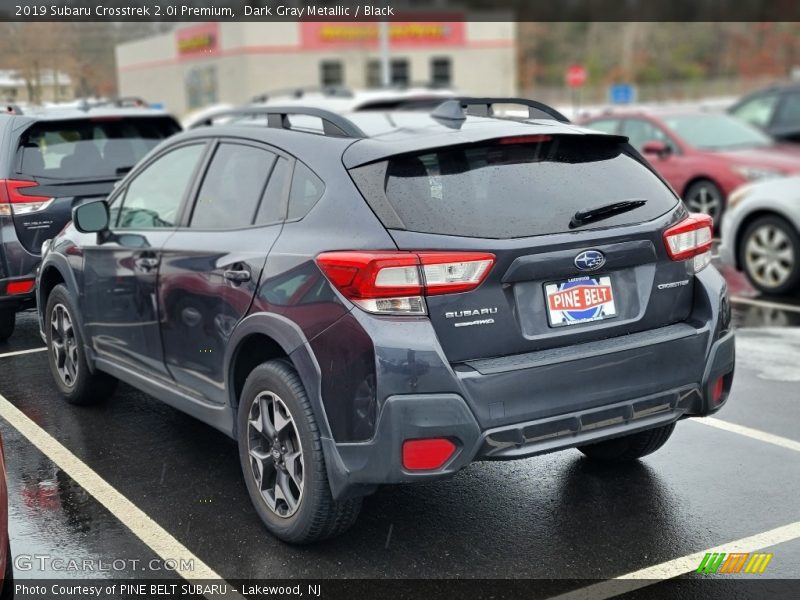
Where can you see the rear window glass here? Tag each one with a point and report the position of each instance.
(508, 190)
(90, 148)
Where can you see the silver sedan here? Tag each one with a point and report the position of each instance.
(760, 234)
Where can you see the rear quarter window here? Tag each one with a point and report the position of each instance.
(306, 191)
(509, 190)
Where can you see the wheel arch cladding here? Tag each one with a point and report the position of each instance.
(264, 336)
(57, 271)
(50, 278)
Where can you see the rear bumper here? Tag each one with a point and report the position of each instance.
(357, 468)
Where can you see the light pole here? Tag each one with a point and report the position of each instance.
(383, 39)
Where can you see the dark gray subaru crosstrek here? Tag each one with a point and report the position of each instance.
(386, 297)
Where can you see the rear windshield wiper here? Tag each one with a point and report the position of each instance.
(598, 213)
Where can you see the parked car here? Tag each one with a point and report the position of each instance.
(6, 562)
(704, 156)
(334, 98)
(51, 160)
(775, 109)
(391, 296)
(761, 234)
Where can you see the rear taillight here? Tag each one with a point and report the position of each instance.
(691, 238)
(397, 282)
(14, 201)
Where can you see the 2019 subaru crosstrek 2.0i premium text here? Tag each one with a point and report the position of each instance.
(385, 297)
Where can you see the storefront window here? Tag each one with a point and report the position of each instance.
(400, 72)
(374, 74)
(331, 72)
(441, 71)
(201, 87)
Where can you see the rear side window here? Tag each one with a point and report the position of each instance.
(757, 111)
(639, 132)
(789, 111)
(100, 147)
(509, 190)
(273, 204)
(233, 187)
(307, 189)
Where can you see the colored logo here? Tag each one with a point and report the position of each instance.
(744, 562)
(590, 260)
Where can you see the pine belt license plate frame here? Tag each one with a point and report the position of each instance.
(580, 300)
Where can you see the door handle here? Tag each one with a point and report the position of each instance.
(237, 276)
(146, 263)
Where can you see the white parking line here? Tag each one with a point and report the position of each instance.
(680, 566)
(18, 352)
(148, 531)
(765, 303)
(756, 434)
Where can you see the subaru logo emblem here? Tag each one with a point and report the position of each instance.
(590, 260)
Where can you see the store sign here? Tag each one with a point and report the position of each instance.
(321, 35)
(202, 40)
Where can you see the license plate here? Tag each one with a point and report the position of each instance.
(579, 300)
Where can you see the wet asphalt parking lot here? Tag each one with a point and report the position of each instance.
(152, 482)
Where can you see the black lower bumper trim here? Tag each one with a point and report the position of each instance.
(575, 429)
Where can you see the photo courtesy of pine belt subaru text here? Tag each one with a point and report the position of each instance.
(384, 297)
(52, 159)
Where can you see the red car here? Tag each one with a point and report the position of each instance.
(6, 574)
(703, 155)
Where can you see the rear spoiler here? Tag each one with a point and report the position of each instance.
(369, 151)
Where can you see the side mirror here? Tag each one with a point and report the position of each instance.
(91, 217)
(660, 149)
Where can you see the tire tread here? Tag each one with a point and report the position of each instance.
(330, 517)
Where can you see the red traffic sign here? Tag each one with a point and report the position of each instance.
(576, 76)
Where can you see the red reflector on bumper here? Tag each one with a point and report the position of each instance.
(427, 455)
(719, 388)
(22, 286)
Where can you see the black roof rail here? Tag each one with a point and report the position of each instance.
(457, 109)
(333, 124)
(11, 109)
(337, 91)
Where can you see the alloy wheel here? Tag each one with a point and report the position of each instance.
(63, 344)
(769, 256)
(705, 199)
(276, 454)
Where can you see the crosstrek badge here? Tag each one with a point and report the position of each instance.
(580, 300)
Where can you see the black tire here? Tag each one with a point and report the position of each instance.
(705, 196)
(756, 235)
(629, 447)
(7, 591)
(80, 386)
(316, 516)
(8, 320)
